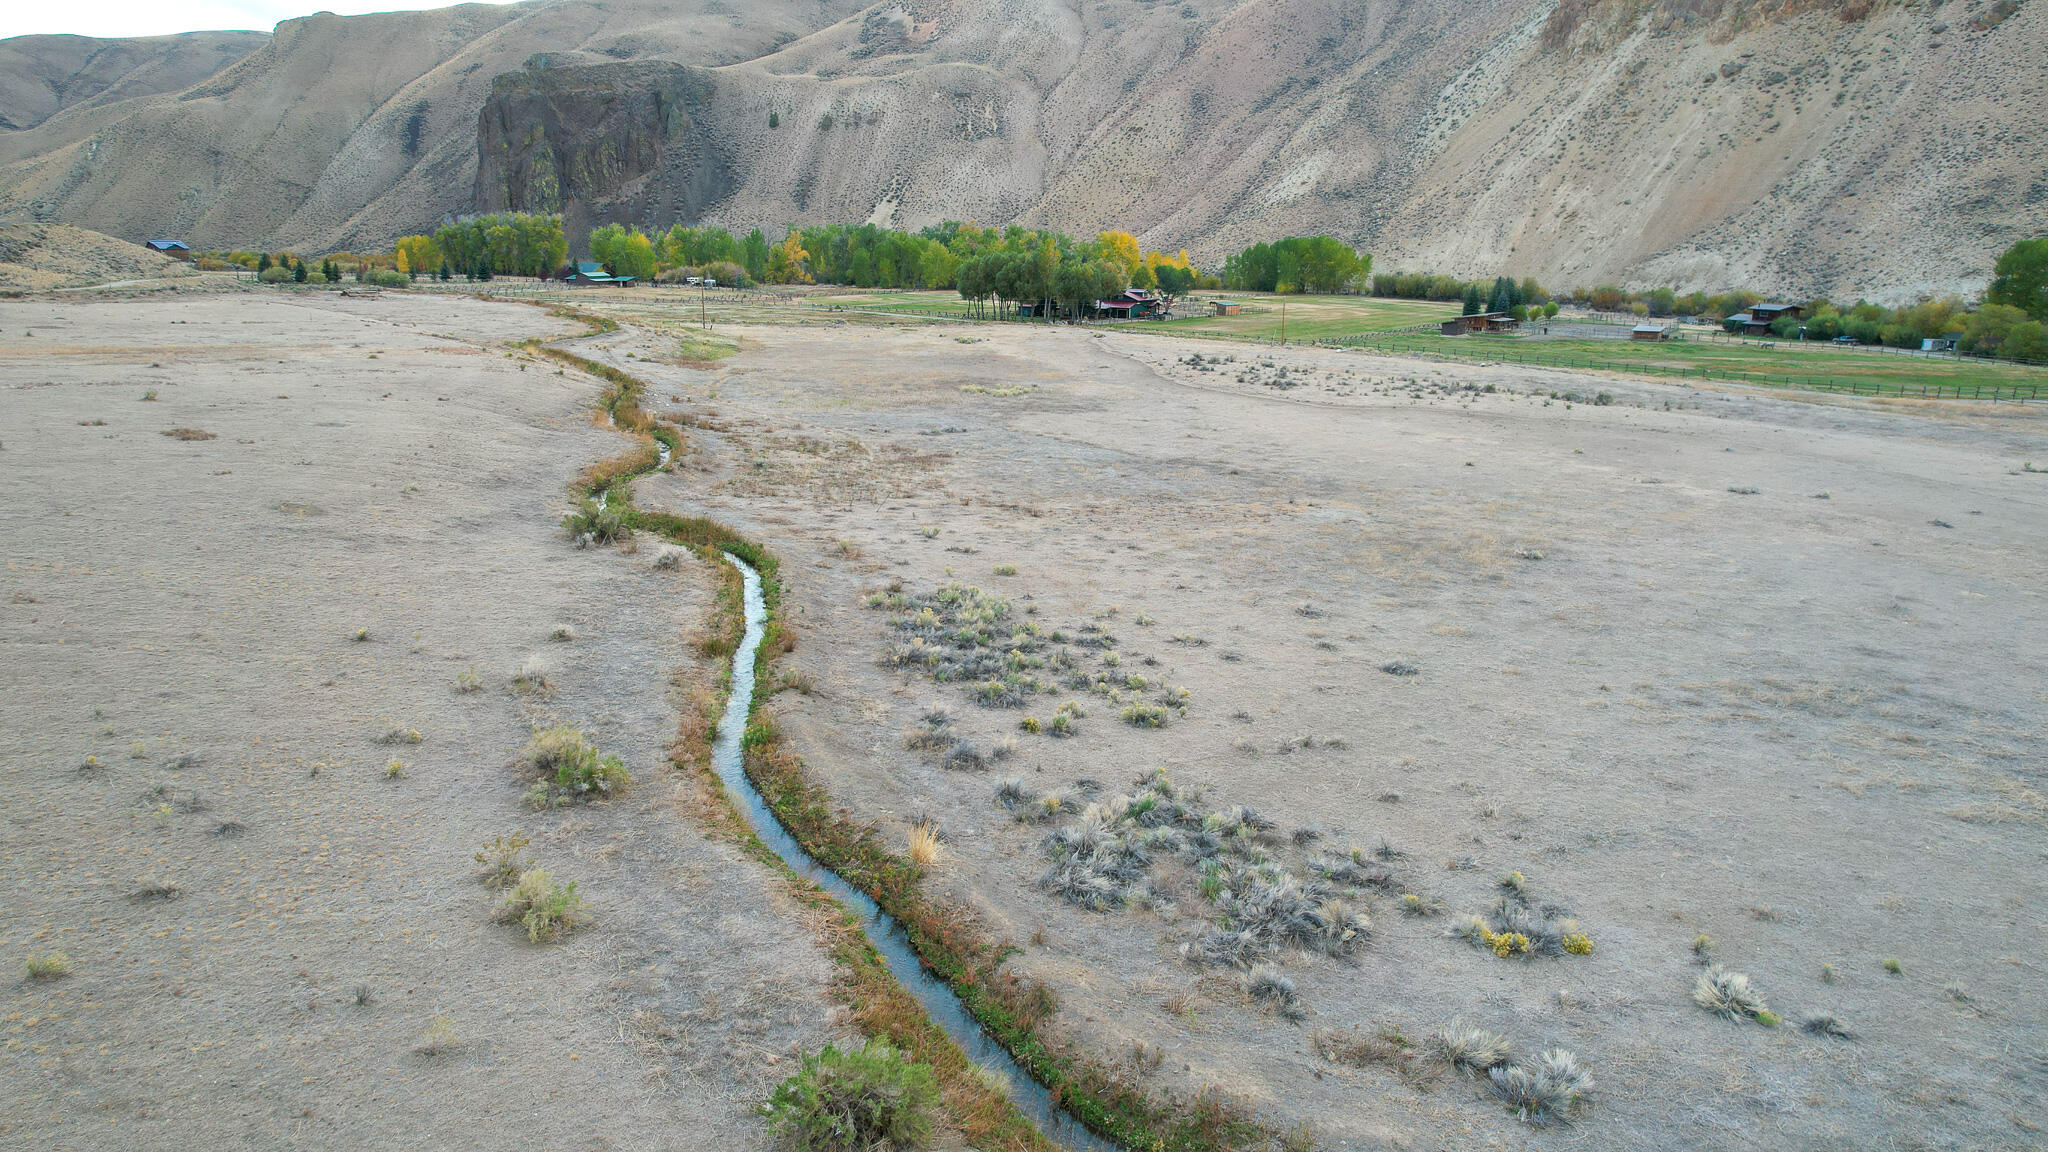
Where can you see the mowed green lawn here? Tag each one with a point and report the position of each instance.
(1787, 364)
(1306, 317)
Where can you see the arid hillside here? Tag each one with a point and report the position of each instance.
(1878, 147)
(37, 257)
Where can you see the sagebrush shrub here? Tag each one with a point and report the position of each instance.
(853, 1101)
(502, 859)
(544, 907)
(591, 524)
(569, 764)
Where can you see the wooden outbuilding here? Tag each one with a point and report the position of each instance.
(1653, 332)
(1481, 322)
(1227, 307)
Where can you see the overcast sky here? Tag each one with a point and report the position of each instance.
(147, 18)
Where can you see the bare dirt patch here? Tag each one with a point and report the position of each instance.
(1521, 651)
(263, 721)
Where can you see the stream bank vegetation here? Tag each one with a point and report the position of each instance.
(856, 1100)
(1108, 1098)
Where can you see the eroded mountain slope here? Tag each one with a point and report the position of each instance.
(1868, 147)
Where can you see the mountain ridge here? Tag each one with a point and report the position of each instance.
(1877, 148)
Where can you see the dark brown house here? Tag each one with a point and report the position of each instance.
(1762, 316)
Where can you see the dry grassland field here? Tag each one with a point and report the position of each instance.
(1700, 677)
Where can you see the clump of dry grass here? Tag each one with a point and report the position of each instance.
(1413, 905)
(46, 966)
(533, 676)
(1471, 1050)
(1824, 1024)
(933, 730)
(439, 1038)
(963, 757)
(153, 888)
(1728, 993)
(1386, 1046)
(1265, 986)
(1545, 1090)
(400, 736)
(926, 848)
(189, 434)
(502, 858)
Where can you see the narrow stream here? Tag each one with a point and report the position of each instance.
(882, 929)
(661, 451)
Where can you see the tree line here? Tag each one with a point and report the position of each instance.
(2009, 319)
(1298, 264)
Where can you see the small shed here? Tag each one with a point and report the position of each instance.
(1481, 322)
(176, 249)
(1943, 343)
(1653, 332)
(1227, 307)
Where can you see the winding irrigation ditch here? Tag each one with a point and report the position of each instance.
(935, 955)
(881, 929)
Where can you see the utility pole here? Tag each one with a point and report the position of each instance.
(1283, 321)
(702, 322)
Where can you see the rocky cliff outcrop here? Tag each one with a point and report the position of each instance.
(625, 141)
(1878, 148)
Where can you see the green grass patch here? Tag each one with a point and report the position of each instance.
(1306, 318)
(1788, 364)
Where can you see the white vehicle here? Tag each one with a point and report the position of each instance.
(710, 283)
(693, 279)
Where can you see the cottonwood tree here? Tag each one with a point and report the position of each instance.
(2020, 278)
